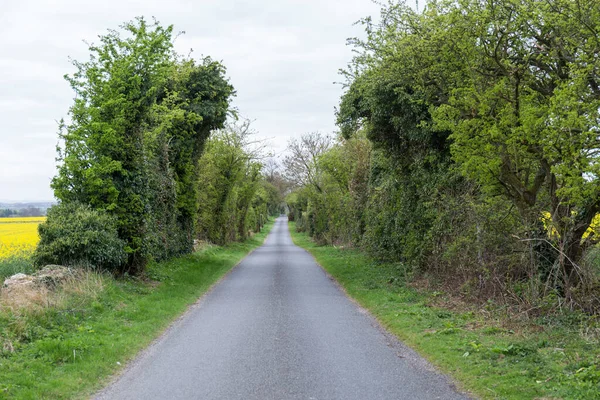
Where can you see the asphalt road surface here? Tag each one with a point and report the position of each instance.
(277, 327)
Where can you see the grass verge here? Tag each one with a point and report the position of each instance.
(489, 354)
(69, 343)
(15, 264)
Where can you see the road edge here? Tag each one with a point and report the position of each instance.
(414, 357)
(177, 322)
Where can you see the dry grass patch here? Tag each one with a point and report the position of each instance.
(25, 306)
(35, 297)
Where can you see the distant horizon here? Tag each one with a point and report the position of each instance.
(11, 201)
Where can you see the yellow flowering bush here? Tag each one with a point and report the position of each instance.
(18, 236)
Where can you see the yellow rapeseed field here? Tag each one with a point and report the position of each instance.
(18, 236)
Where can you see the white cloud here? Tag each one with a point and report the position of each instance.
(281, 56)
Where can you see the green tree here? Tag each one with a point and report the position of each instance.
(194, 102)
(137, 129)
(529, 110)
(411, 161)
(303, 169)
(504, 92)
(102, 158)
(229, 178)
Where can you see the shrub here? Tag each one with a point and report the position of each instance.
(76, 235)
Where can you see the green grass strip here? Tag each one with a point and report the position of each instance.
(74, 351)
(489, 356)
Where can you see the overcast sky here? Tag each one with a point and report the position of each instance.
(282, 56)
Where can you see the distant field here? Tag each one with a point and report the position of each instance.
(18, 236)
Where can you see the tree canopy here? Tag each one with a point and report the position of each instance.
(483, 116)
(135, 134)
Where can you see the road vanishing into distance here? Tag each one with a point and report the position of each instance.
(277, 327)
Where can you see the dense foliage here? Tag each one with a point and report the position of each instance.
(483, 120)
(136, 132)
(234, 196)
(77, 235)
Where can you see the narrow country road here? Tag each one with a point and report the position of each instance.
(278, 328)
